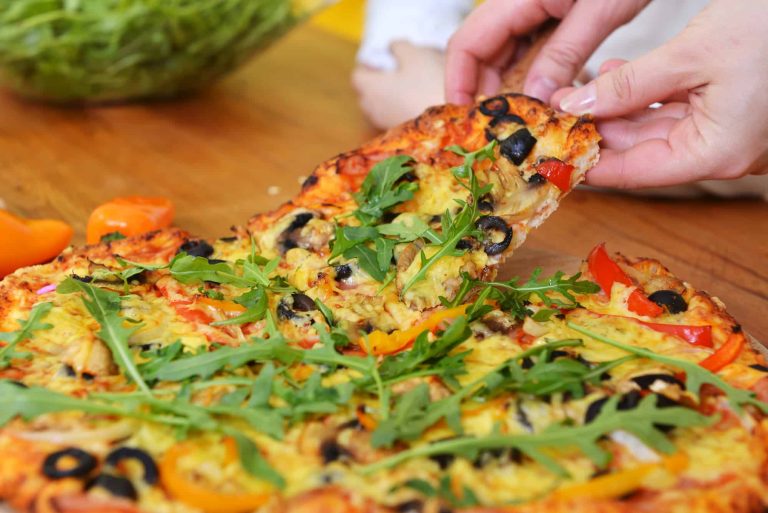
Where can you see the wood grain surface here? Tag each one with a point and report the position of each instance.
(217, 155)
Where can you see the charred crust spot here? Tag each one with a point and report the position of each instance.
(736, 328)
(310, 181)
(507, 118)
(331, 450)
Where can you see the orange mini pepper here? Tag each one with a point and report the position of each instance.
(130, 215)
(726, 353)
(184, 488)
(388, 343)
(26, 242)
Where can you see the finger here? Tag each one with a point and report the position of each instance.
(680, 158)
(621, 134)
(484, 35)
(677, 110)
(579, 34)
(610, 65)
(633, 86)
(559, 95)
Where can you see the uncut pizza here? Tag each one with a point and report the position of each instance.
(354, 352)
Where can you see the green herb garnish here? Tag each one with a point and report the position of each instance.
(104, 306)
(28, 327)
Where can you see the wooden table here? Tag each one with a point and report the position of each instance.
(218, 154)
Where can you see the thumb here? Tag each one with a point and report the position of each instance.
(631, 86)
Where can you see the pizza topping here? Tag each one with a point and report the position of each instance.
(342, 272)
(491, 225)
(134, 453)
(517, 146)
(556, 172)
(69, 462)
(537, 179)
(694, 335)
(196, 247)
(331, 450)
(649, 381)
(726, 353)
(28, 327)
(289, 238)
(606, 272)
(116, 485)
(303, 303)
(494, 107)
(670, 300)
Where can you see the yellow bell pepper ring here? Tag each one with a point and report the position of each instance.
(26, 242)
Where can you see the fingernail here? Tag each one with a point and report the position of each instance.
(542, 88)
(581, 101)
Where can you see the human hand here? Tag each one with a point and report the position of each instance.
(390, 97)
(483, 48)
(714, 121)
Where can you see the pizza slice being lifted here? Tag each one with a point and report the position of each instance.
(382, 233)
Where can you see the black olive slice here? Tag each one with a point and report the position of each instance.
(496, 106)
(303, 303)
(300, 221)
(627, 401)
(485, 203)
(331, 450)
(84, 463)
(198, 248)
(232, 238)
(134, 453)
(507, 118)
(412, 506)
(537, 179)
(495, 224)
(284, 311)
(646, 380)
(342, 272)
(84, 279)
(761, 368)
(68, 370)
(115, 485)
(443, 460)
(517, 146)
(309, 182)
(464, 244)
(669, 299)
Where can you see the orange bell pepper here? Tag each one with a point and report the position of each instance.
(620, 483)
(606, 272)
(130, 215)
(26, 242)
(725, 354)
(183, 488)
(388, 343)
(222, 305)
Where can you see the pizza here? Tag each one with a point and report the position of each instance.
(354, 352)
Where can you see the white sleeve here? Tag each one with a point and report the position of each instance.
(427, 23)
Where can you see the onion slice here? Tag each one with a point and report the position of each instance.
(116, 431)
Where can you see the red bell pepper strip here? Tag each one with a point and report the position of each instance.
(557, 172)
(725, 354)
(694, 335)
(606, 272)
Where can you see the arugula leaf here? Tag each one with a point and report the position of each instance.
(368, 261)
(347, 237)
(104, 306)
(409, 230)
(695, 375)
(252, 460)
(456, 227)
(641, 421)
(194, 269)
(554, 291)
(111, 236)
(28, 327)
(379, 192)
(158, 359)
(426, 354)
(256, 301)
(314, 398)
(206, 364)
